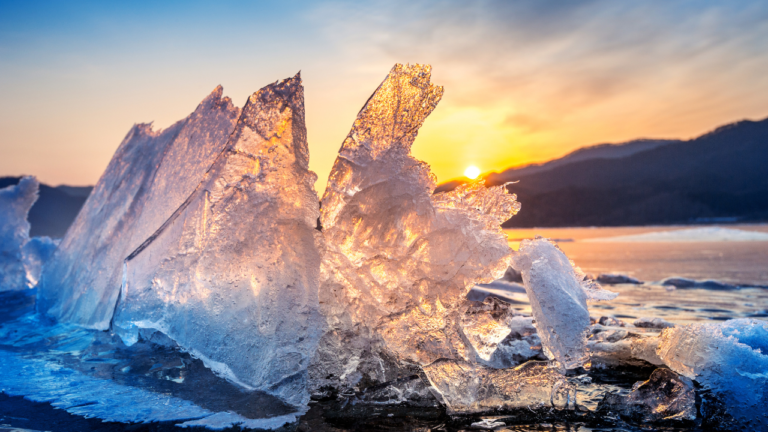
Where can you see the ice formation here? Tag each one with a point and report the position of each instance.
(558, 295)
(36, 253)
(15, 202)
(703, 234)
(399, 260)
(206, 236)
(729, 360)
(467, 387)
(666, 396)
(232, 275)
(150, 176)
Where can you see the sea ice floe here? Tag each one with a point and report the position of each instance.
(399, 259)
(665, 396)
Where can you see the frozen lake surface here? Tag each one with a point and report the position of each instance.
(731, 262)
(172, 374)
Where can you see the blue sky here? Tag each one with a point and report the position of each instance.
(525, 81)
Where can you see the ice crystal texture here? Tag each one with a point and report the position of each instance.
(729, 360)
(150, 176)
(36, 253)
(467, 388)
(665, 396)
(15, 202)
(232, 275)
(558, 295)
(399, 260)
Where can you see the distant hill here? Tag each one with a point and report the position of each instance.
(719, 176)
(55, 209)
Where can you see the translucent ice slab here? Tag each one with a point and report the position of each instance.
(558, 295)
(151, 174)
(232, 275)
(15, 202)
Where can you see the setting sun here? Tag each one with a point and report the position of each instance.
(472, 172)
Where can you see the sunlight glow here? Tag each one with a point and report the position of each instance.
(472, 172)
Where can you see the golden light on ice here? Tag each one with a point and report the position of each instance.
(472, 172)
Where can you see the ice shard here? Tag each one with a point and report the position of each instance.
(400, 260)
(151, 174)
(558, 293)
(729, 361)
(232, 275)
(15, 202)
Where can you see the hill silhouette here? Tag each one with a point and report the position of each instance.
(719, 176)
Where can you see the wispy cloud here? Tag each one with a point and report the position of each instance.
(525, 80)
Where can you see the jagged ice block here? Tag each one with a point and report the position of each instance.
(151, 174)
(729, 360)
(399, 260)
(232, 275)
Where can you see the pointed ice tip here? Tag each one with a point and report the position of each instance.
(214, 96)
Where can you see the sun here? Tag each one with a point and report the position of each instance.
(472, 172)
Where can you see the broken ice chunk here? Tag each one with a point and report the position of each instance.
(485, 325)
(729, 361)
(35, 254)
(400, 260)
(15, 202)
(467, 388)
(232, 276)
(558, 296)
(665, 396)
(150, 175)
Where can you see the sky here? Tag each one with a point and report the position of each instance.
(525, 81)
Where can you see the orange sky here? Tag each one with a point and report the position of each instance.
(525, 82)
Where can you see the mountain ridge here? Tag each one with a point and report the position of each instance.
(718, 175)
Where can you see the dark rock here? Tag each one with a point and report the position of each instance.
(615, 279)
(512, 275)
(679, 282)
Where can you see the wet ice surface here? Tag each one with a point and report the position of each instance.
(92, 374)
(160, 370)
